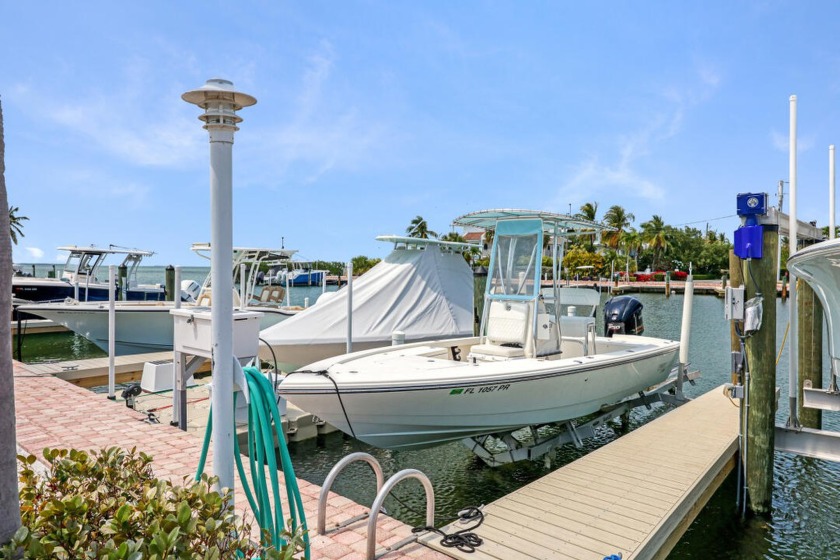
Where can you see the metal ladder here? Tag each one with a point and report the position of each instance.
(383, 488)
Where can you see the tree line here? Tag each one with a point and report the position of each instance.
(654, 245)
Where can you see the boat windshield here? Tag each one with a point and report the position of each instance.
(516, 260)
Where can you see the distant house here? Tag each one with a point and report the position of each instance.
(476, 237)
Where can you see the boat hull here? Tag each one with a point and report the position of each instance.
(429, 400)
(140, 327)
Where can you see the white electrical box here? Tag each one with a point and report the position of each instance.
(158, 376)
(193, 332)
(733, 304)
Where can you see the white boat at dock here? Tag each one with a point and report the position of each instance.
(84, 279)
(529, 366)
(148, 326)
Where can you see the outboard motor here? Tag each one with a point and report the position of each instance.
(623, 315)
(190, 290)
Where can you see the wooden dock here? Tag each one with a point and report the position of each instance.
(635, 496)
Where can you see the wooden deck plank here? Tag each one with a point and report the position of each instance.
(570, 528)
(635, 495)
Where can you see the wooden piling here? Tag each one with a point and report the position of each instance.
(810, 315)
(668, 284)
(479, 285)
(122, 282)
(169, 283)
(784, 287)
(760, 278)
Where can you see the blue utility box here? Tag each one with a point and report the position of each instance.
(749, 238)
(748, 242)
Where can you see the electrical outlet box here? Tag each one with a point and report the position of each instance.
(733, 304)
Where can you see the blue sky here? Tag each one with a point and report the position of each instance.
(370, 113)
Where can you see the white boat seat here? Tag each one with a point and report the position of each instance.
(205, 298)
(575, 326)
(508, 331)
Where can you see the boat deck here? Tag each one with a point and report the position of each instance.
(635, 496)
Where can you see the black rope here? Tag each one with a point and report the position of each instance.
(464, 540)
(326, 374)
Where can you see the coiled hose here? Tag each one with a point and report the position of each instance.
(264, 422)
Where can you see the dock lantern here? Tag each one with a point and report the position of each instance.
(220, 103)
(749, 237)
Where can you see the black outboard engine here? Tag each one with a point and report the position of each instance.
(623, 315)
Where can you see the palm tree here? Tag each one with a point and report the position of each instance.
(15, 225)
(9, 499)
(632, 242)
(419, 228)
(589, 211)
(618, 219)
(653, 234)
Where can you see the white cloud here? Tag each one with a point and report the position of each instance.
(621, 174)
(781, 142)
(35, 253)
(327, 132)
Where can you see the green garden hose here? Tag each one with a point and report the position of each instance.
(264, 428)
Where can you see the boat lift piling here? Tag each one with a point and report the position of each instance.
(169, 283)
(112, 330)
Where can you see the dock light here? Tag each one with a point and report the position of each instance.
(749, 237)
(220, 103)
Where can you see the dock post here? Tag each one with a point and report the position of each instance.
(122, 283)
(169, 283)
(736, 280)
(668, 284)
(784, 287)
(479, 284)
(810, 350)
(760, 277)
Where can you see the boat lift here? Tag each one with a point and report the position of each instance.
(535, 442)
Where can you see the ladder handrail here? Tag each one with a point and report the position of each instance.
(380, 499)
(328, 482)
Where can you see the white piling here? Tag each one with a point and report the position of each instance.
(793, 348)
(397, 338)
(831, 192)
(243, 289)
(220, 103)
(685, 330)
(177, 288)
(349, 307)
(112, 330)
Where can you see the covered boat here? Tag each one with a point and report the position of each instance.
(423, 289)
(530, 365)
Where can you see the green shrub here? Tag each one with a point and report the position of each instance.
(108, 505)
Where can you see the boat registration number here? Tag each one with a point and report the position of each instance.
(478, 390)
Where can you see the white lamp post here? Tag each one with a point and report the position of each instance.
(220, 103)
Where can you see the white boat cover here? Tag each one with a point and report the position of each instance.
(425, 293)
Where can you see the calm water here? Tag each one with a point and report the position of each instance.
(804, 523)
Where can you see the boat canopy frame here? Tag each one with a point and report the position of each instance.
(519, 235)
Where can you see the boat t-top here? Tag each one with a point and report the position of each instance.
(528, 366)
(83, 279)
(148, 326)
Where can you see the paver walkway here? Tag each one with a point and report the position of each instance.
(56, 414)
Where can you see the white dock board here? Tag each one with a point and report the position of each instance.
(635, 495)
